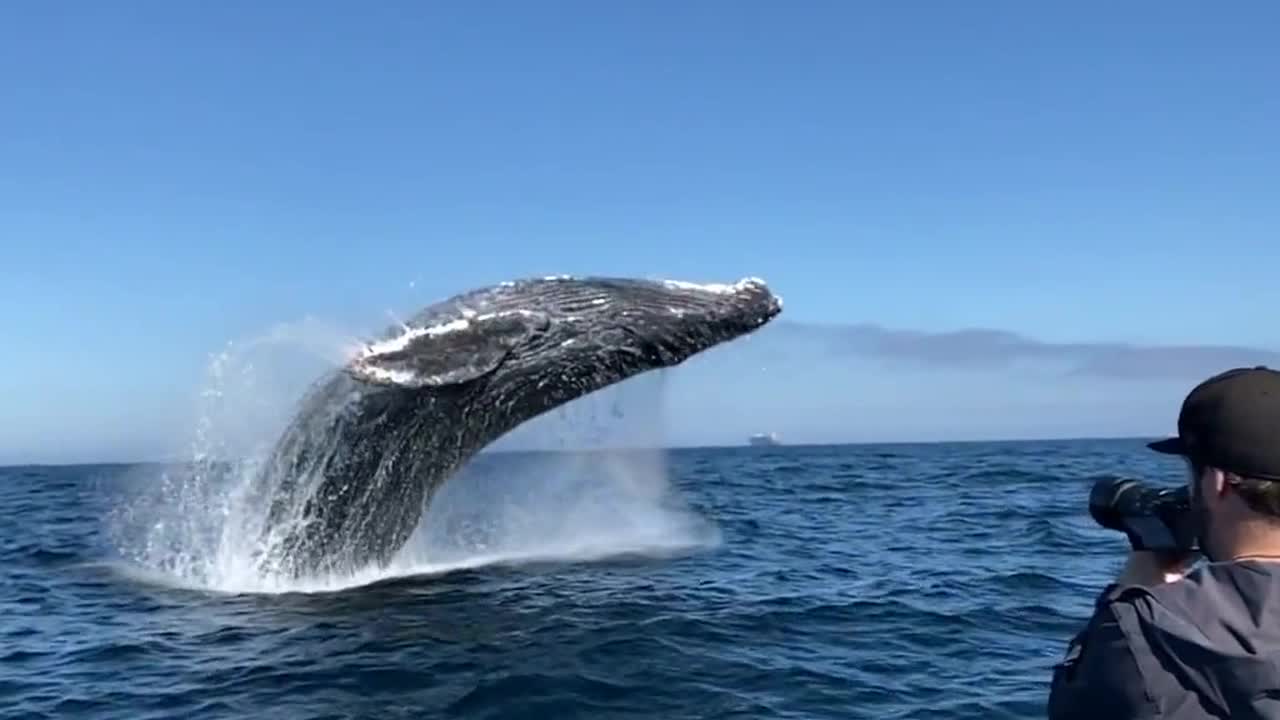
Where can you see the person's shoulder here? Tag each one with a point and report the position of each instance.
(1235, 576)
(1215, 624)
(1210, 583)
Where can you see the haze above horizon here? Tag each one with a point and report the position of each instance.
(995, 220)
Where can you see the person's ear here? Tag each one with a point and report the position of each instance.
(1218, 483)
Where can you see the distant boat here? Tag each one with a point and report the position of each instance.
(764, 439)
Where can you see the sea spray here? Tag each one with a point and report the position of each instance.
(194, 520)
(595, 484)
(586, 481)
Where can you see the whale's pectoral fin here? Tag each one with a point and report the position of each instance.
(451, 353)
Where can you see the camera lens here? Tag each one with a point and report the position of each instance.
(1153, 517)
(1113, 498)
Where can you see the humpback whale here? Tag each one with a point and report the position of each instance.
(350, 476)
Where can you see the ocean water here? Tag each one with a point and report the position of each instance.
(890, 581)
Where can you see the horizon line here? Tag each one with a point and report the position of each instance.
(782, 445)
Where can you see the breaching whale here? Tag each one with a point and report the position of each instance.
(351, 474)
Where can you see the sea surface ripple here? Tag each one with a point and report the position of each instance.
(871, 581)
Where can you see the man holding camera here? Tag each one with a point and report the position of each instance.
(1167, 641)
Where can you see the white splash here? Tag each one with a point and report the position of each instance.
(198, 525)
(198, 522)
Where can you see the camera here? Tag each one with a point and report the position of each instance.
(1154, 518)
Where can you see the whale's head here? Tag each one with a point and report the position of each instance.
(539, 343)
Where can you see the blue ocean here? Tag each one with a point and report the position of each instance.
(863, 581)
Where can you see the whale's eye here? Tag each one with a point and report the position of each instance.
(450, 353)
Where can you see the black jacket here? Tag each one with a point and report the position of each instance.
(1205, 646)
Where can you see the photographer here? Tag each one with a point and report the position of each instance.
(1166, 641)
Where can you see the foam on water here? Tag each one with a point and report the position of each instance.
(196, 525)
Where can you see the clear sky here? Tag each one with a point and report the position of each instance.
(174, 176)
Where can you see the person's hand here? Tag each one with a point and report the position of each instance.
(1148, 568)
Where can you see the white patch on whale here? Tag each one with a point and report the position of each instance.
(397, 376)
(375, 361)
(718, 288)
(402, 341)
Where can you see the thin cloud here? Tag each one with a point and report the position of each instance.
(988, 349)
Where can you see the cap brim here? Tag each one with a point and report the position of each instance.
(1169, 446)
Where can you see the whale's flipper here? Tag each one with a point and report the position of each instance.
(450, 353)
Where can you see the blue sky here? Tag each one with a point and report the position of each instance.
(176, 177)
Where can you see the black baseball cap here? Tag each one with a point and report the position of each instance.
(1232, 422)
